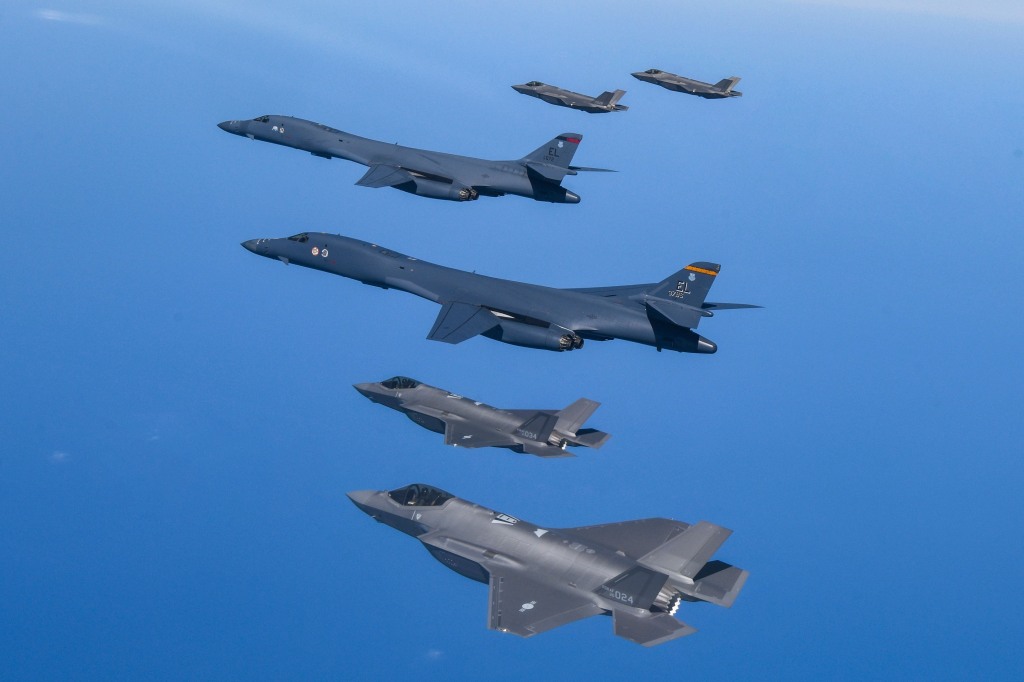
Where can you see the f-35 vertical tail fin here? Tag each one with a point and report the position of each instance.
(609, 98)
(728, 84)
(571, 418)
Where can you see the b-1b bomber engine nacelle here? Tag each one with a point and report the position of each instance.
(437, 189)
(533, 336)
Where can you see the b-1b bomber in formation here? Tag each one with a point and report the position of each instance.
(661, 314)
(435, 175)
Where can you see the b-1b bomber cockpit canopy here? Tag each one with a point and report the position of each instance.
(420, 495)
(301, 237)
(399, 382)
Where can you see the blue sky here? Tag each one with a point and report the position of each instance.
(179, 427)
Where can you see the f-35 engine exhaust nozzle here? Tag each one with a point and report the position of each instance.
(436, 189)
(532, 336)
(668, 600)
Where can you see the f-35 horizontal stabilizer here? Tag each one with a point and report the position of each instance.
(649, 630)
(687, 553)
(543, 450)
(718, 582)
(591, 438)
(460, 321)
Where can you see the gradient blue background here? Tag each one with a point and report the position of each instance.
(178, 424)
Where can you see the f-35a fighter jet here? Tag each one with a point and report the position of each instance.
(661, 314)
(720, 90)
(639, 572)
(605, 102)
(467, 423)
(436, 175)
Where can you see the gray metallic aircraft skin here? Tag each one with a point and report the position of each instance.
(435, 175)
(662, 315)
(469, 423)
(603, 103)
(720, 90)
(539, 578)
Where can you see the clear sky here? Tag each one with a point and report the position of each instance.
(178, 422)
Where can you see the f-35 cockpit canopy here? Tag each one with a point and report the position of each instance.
(653, 71)
(419, 495)
(534, 84)
(399, 382)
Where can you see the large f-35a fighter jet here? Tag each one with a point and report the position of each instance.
(467, 423)
(436, 175)
(639, 572)
(605, 102)
(662, 314)
(720, 90)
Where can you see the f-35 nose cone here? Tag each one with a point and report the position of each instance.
(361, 498)
(365, 389)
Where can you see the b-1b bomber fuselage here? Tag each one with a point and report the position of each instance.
(661, 314)
(435, 175)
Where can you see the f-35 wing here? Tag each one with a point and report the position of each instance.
(465, 435)
(634, 538)
(460, 321)
(526, 608)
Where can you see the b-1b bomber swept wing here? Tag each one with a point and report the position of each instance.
(435, 175)
(467, 423)
(638, 572)
(661, 314)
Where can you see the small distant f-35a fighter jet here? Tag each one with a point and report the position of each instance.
(467, 423)
(662, 314)
(720, 90)
(435, 175)
(639, 572)
(605, 102)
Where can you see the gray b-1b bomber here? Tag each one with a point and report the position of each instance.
(467, 423)
(720, 90)
(639, 572)
(603, 103)
(662, 314)
(435, 175)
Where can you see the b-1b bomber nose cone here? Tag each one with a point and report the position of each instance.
(228, 126)
(250, 244)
